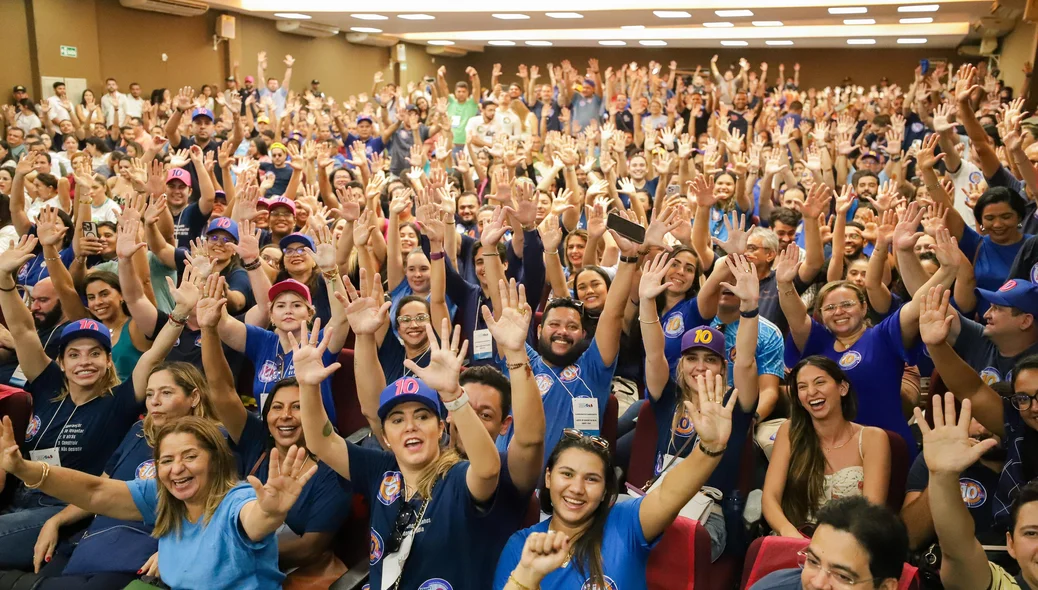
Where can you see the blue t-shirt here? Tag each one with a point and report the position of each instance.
(403, 290)
(322, 506)
(625, 554)
(991, 262)
(391, 355)
(36, 268)
(676, 321)
(263, 348)
(977, 484)
(188, 224)
(214, 554)
(372, 146)
(589, 377)
(1012, 477)
(85, 435)
(770, 348)
(874, 365)
(282, 176)
(453, 524)
(717, 216)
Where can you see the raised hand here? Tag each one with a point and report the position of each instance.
(247, 247)
(285, 481)
(494, 230)
(737, 236)
(188, 294)
(947, 248)
(947, 447)
(817, 201)
(653, 273)
(365, 309)
(325, 254)
(659, 227)
(905, 234)
(49, 227)
(10, 455)
(747, 284)
(509, 331)
(444, 363)
(701, 191)
(713, 418)
(542, 554)
(211, 308)
(787, 265)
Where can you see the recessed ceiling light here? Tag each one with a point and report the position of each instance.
(416, 16)
(510, 16)
(632, 27)
(767, 23)
(539, 43)
(848, 10)
(672, 13)
(613, 43)
(778, 43)
(441, 42)
(563, 15)
(733, 13)
(367, 16)
(501, 43)
(861, 41)
(859, 21)
(918, 8)
(718, 25)
(919, 20)
(734, 43)
(652, 43)
(365, 30)
(911, 41)
(293, 15)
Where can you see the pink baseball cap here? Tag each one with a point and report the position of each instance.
(178, 174)
(289, 285)
(281, 202)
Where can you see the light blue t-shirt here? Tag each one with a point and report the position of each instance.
(214, 555)
(770, 347)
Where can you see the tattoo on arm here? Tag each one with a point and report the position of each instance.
(327, 429)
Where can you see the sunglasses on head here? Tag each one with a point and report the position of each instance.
(574, 434)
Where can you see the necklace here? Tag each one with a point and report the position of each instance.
(840, 446)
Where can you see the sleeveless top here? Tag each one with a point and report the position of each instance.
(847, 482)
(124, 354)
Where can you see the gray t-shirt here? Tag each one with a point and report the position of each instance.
(983, 356)
(400, 148)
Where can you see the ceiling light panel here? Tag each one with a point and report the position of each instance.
(442, 42)
(293, 15)
(848, 10)
(510, 16)
(911, 41)
(861, 41)
(718, 25)
(563, 15)
(672, 14)
(501, 43)
(613, 43)
(416, 16)
(733, 13)
(652, 43)
(365, 30)
(539, 43)
(734, 43)
(918, 8)
(778, 43)
(919, 20)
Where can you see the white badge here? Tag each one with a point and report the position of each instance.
(49, 456)
(585, 415)
(18, 378)
(482, 344)
(263, 400)
(456, 121)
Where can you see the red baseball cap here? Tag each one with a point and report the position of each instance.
(289, 285)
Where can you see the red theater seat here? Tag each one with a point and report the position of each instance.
(770, 554)
(643, 449)
(899, 466)
(348, 416)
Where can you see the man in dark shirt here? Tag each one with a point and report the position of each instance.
(49, 319)
(202, 130)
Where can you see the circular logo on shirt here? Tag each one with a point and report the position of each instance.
(1034, 273)
(198, 341)
(918, 127)
(436, 584)
(973, 493)
(570, 373)
(146, 470)
(675, 325)
(269, 372)
(684, 427)
(990, 375)
(376, 548)
(543, 383)
(609, 585)
(390, 488)
(850, 359)
(34, 427)
(366, 587)
(976, 177)
(731, 354)
(23, 272)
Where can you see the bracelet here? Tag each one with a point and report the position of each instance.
(437, 255)
(253, 265)
(511, 578)
(456, 404)
(46, 472)
(9, 290)
(531, 227)
(52, 259)
(710, 453)
(177, 321)
(629, 259)
(750, 314)
(655, 321)
(514, 366)
(331, 275)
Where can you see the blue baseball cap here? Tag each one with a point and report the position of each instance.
(409, 389)
(365, 118)
(297, 238)
(85, 329)
(1022, 295)
(202, 112)
(223, 224)
(703, 337)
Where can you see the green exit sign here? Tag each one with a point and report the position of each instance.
(69, 51)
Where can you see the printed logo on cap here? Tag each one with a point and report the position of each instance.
(850, 359)
(703, 336)
(570, 373)
(1034, 273)
(23, 272)
(146, 470)
(88, 325)
(389, 489)
(223, 222)
(731, 355)
(436, 584)
(34, 427)
(406, 386)
(269, 372)
(375, 549)
(609, 585)
(543, 383)
(675, 325)
(973, 493)
(990, 375)
(1010, 284)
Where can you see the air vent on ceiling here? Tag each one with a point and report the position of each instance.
(174, 7)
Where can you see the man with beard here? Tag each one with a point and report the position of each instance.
(202, 132)
(788, 226)
(48, 317)
(640, 171)
(468, 208)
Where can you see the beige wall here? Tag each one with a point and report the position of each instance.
(67, 22)
(1017, 47)
(15, 67)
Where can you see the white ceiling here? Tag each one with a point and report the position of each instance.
(470, 24)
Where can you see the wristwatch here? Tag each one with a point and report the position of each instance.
(456, 404)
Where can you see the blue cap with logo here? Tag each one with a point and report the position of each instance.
(85, 329)
(409, 389)
(703, 337)
(297, 238)
(223, 224)
(202, 112)
(1021, 294)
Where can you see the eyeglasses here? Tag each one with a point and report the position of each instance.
(282, 213)
(568, 302)
(301, 251)
(810, 563)
(213, 239)
(404, 520)
(418, 319)
(844, 305)
(1022, 401)
(574, 434)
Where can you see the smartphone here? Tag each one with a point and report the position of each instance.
(917, 144)
(673, 189)
(89, 229)
(924, 66)
(628, 229)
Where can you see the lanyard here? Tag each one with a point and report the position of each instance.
(407, 372)
(403, 553)
(53, 416)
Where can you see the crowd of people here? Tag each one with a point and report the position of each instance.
(532, 276)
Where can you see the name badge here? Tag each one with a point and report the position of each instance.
(49, 456)
(482, 344)
(18, 378)
(585, 415)
(456, 121)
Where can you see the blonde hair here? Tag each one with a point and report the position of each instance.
(187, 377)
(109, 381)
(223, 473)
(436, 470)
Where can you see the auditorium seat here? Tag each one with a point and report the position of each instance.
(643, 449)
(899, 466)
(681, 559)
(609, 423)
(770, 554)
(17, 405)
(348, 416)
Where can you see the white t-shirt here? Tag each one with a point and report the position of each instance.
(478, 127)
(961, 178)
(134, 106)
(108, 108)
(508, 123)
(108, 211)
(27, 122)
(56, 110)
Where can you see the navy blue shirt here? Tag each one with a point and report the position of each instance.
(188, 224)
(453, 524)
(263, 348)
(977, 484)
(36, 268)
(213, 146)
(676, 321)
(391, 355)
(281, 177)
